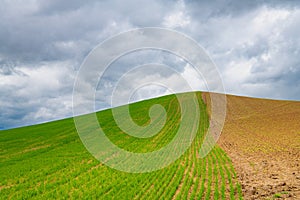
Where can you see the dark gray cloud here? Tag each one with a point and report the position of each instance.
(56, 30)
(255, 45)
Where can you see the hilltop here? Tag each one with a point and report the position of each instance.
(257, 156)
(49, 161)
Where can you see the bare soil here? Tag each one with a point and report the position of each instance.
(262, 137)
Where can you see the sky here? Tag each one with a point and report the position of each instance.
(254, 44)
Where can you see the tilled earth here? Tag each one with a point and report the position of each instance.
(262, 137)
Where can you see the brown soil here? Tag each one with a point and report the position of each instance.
(262, 137)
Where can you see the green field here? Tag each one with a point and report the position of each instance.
(49, 161)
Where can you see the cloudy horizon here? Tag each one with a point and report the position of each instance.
(255, 46)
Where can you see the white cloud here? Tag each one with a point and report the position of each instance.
(178, 17)
(256, 51)
(176, 20)
(36, 94)
(38, 81)
(194, 79)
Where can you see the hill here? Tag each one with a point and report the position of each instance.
(49, 161)
(257, 156)
(262, 137)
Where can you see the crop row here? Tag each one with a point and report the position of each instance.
(48, 161)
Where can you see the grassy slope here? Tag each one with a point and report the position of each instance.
(49, 161)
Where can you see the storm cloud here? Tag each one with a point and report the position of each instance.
(254, 44)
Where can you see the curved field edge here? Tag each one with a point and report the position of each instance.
(48, 161)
